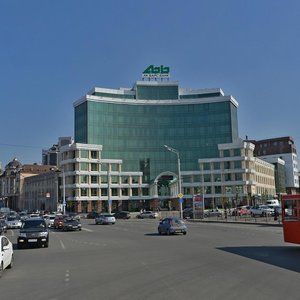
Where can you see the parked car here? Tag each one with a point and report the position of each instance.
(256, 211)
(34, 232)
(122, 215)
(171, 226)
(7, 254)
(147, 214)
(213, 213)
(240, 211)
(268, 210)
(71, 224)
(92, 215)
(13, 222)
(105, 219)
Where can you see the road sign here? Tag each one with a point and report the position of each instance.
(180, 200)
(180, 195)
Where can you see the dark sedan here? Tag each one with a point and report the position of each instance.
(71, 224)
(122, 215)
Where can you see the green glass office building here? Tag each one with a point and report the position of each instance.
(134, 124)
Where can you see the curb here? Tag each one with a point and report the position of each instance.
(235, 222)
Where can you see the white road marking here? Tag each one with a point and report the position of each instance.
(89, 230)
(62, 244)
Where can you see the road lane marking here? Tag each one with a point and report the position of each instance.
(62, 244)
(89, 230)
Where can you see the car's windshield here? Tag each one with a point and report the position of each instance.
(68, 220)
(34, 224)
(178, 222)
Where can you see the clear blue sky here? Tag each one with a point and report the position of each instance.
(54, 51)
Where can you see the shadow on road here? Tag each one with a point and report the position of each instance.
(287, 257)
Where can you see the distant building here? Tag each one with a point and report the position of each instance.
(12, 182)
(133, 125)
(51, 156)
(285, 149)
(90, 181)
(236, 177)
(41, 192)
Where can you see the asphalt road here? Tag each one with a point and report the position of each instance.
(129, 260)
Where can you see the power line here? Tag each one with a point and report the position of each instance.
(20, 146)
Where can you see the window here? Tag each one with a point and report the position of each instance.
(124, 192)
(94, 154)
(218, 190)
(135, 192)
(83, 192)
(237, 152)
(94, 167)
(114, 192)
(217, 166)
(207, 178)
(238, 176)
(227, 165)
(227, 177)
(291, 211)
(114, 179)
(238, 164)
(84, 166)
(94, 179)
(84, 153)
(145, 191)
(83, 179)
(94, 192)
(226, 153)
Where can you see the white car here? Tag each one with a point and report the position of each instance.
(49, 219)
(13, 222)
(7, 254)
(148, 214)
(105, 219)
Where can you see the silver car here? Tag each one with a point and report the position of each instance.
(105, 219)
(172, 225)
(147, 214)
(13, 222)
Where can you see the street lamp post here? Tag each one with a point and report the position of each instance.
(64, 193)
(108, 189)
(179, 175)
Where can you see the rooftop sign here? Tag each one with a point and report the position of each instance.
(156, 72)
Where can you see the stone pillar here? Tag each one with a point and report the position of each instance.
(79, 207)
(89, 206)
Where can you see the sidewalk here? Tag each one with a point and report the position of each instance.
(266, 221)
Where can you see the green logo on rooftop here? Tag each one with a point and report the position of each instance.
(156, 72)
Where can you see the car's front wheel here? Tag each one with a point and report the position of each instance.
(184, 233)
(11, 262)
(1, 269)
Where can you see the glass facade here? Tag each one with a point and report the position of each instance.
(157, 92)
(137, 132)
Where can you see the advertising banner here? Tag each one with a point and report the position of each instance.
(198, 206)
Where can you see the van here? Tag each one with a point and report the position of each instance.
(272, 202)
